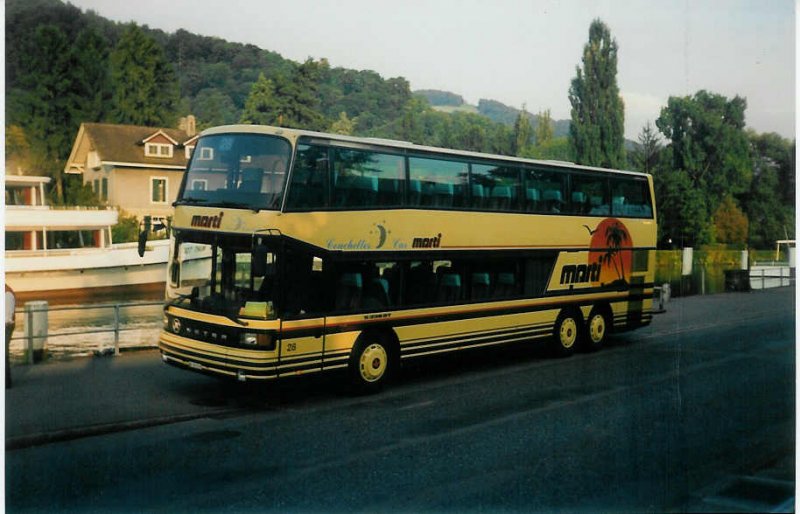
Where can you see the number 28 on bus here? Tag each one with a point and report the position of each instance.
(296, 252)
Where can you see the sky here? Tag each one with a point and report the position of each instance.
(519, 52)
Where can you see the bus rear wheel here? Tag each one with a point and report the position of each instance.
(567, 333)
(370, 364)
(596, 330)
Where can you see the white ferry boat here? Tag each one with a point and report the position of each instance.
(67, 253)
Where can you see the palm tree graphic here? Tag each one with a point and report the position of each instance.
(615, 236)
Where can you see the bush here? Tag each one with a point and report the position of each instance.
(126, 230)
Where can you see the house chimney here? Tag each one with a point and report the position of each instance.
(188, 124)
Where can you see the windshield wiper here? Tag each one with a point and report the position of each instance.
(176, 300)
(189, 201)
(236, 320)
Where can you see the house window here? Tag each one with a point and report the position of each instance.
(199, 184)
(188, 151)
(158, 190)
(104, 189)
(158, 150)
(206, 153)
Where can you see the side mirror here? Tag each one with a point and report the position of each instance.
(258, 261)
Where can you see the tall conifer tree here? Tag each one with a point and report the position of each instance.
(143, 83)
(597, 131)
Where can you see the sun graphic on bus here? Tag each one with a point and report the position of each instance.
(611, 248)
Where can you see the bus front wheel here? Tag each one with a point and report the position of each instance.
(566, 333)
(370, 364)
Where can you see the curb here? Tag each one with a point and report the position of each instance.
(40, 439)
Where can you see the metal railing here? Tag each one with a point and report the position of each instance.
(783, 274)
(31, 336)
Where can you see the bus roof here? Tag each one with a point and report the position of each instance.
(373, 142)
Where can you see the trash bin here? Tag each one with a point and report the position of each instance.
(737, 280)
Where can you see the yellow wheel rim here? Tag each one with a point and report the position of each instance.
(568, 332)
(597, 328)
(373, 362)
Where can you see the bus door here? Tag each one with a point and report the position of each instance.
(301, 345)
(303, 325)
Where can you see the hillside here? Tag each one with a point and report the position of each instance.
(65, 66)
(498, 112)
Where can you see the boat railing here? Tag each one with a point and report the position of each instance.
(36, 330)
(55, 252)
(62, 207)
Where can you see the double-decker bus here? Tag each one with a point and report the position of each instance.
(295, 252)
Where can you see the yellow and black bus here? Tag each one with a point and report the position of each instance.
(296, 252)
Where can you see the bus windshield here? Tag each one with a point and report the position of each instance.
(237, 170)
(215, 274)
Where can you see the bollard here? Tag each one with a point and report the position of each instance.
(36, 330)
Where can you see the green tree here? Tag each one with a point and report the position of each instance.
(556, 149)
(767, 204)
(730, 223)
(262, 106)
(144, 89)
(683, 213)
(44, 102)
(343, 125)
(303, 101)
(646, 155)
(77, 192)
(708, 142)
(213, 107)
(708, 159)
(596, 134)
(522, 132)
(89, 60)
(543, 132)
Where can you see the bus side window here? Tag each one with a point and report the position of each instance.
(537, 271)
(420, 283)
(590, 195)
(495, 187)
(349, 290)
(376, 287)
(545, 190)
(481, 285)
(448, 285)
(631, 198)
(367, 179)
(443, 183)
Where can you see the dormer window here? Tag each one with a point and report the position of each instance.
(158, 150)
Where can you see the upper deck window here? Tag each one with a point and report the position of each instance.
(367, 179)
(237, 170)
(437, 182)
(630, 198)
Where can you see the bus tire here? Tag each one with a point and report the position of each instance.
(567, 332)
(371, 363)
(597, 327)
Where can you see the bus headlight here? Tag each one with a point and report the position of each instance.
(257, 339)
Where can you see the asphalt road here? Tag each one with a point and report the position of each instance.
(647, 424)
